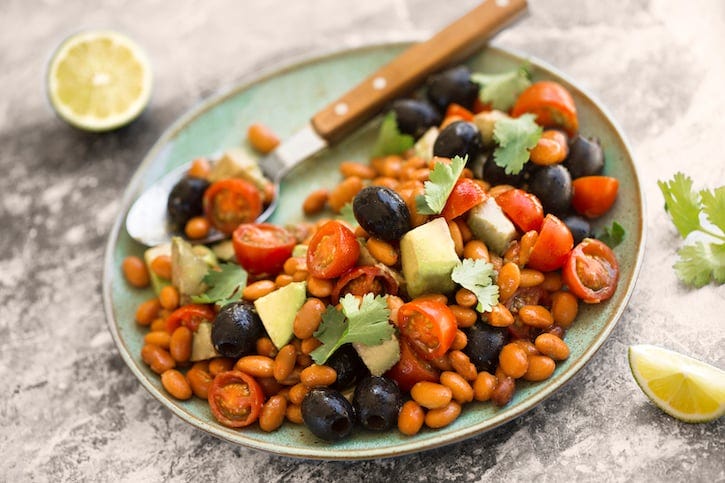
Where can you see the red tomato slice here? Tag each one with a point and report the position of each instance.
(429, 326)
(262, 247)
(552, 247)
(235, 399)
(230, 202)
(523, 208)
(459, 111)
(551, 103)
(332, 250)
(364, 279)
(189, 316)
(411, 369)
(465, 195)
(594, 195)
(592, 271)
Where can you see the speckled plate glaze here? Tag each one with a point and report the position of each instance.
(284, 99)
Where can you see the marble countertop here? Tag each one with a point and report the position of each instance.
(74, 412)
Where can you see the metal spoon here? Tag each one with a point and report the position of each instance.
(146, 220)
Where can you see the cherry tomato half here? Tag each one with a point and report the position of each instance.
(594, 195)
(465, 195)
(365, 279)
(553, 245)
(235, 399)
(189, 316)
(459, 111)
(428, 325)
(262, 247)
(230, 202)
(411, 369)
(332, 250)
(523, 208)
(592, 271)
(551, 103)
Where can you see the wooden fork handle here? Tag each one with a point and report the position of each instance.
(409, 69)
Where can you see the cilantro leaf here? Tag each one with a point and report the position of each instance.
(390, 139)
(347, 215)
(713, 205)
(226, 285)
(613, 235)
(515, 137)
(478, 276)
(700, 263)
(682, 203)
(365, 322)
(501, 90)
(442, 179)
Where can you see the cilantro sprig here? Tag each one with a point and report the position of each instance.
(612, 235)
(703, 261)
(478, 276)
(501, 90)
(390, 139)
(515, 137)
(443, 178)
(365, 322)
(225, 285)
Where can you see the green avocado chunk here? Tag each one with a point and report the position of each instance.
(428, 256)
(379, 358)
(488, 223)
(278, 309)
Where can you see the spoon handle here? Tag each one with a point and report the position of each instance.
(407, 71)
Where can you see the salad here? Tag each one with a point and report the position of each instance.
(445, 270)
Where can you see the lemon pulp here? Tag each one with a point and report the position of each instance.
(683, 387)
(99, 80)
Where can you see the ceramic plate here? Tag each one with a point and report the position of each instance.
(285, 99)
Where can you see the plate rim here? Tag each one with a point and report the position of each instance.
(328, 453)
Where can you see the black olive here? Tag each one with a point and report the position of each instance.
(484, 344)
(381, 212)
(328, 414)
(585, 157)
(348, 366)
(452, 85)
(186, 201)
(495, 174)
(377, 401)
(579, 227)
(236, 329)
(414, 117)
(552, 185)
(460, 138)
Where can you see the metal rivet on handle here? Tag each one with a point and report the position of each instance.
(502, 3)
(341, 108)
(379, 83)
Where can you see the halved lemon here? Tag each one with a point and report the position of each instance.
(99, 80)
(683, 387)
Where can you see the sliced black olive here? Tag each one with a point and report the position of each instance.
(186, 201)
(328, 414)
(586, 157)
(452, 85)
(460, 138)
(552, 185)
(348, 366)
(377, 402)
(381, 212)
(236, 329)
(484, 344)
(414, 117)
(495, 174)
(579, 227)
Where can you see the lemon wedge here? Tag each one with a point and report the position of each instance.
(99, 80)
(683, 387)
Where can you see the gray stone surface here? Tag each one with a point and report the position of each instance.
(72, 411)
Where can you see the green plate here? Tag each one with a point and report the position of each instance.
(285, 99)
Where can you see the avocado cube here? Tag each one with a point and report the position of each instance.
(278, 309)
(428, 256)
(489, 224)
